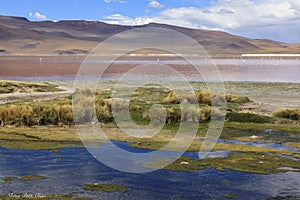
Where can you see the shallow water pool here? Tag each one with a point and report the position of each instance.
(69, 169)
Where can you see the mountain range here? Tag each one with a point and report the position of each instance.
(19, 36)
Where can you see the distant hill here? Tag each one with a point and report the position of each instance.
(21, 36)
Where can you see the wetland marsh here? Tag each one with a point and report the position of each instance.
(256, 157)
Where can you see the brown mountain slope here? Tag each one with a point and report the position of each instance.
(20, 36)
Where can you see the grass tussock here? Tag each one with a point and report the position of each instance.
(171, 98)
(205, 97)
(292, 114)
(187, 114)
(55, 112)
(99, 106)
(36, 114)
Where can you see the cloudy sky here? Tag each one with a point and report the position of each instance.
(271, 19)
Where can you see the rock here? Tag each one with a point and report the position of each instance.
(253, 137)
(139, 143)
(184, 163)
(269, 131)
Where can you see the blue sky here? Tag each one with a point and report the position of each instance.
(271, 19)
(90, 9)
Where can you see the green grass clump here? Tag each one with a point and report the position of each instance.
(293, 114)
(230, 196)
(32, 177)
(104, 187)
(248, 117)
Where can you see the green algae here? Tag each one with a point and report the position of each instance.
(32, 177)
(104, 187)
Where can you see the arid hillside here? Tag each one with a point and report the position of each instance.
(20, 36)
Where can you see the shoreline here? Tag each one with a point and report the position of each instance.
(170, 56)
(241, 157)
(72, 78)
(68, 134)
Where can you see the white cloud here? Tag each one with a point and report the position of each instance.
(124, 20)
(295, 4)
(37, 15)
(155, 4)
(273, 19)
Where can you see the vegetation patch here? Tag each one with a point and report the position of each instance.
(230, 196)
(35, 145)
(293, 114)
(104, 187)
(52, 112)
(196, 146)
(52, 138)
(59, 111)
(24, 87)
(248, 117)
(38, 138)
(40, 133)
(238, 161)
(32, 177)
(262, 127)
(9, 178)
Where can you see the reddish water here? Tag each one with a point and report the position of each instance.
(65, 68)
